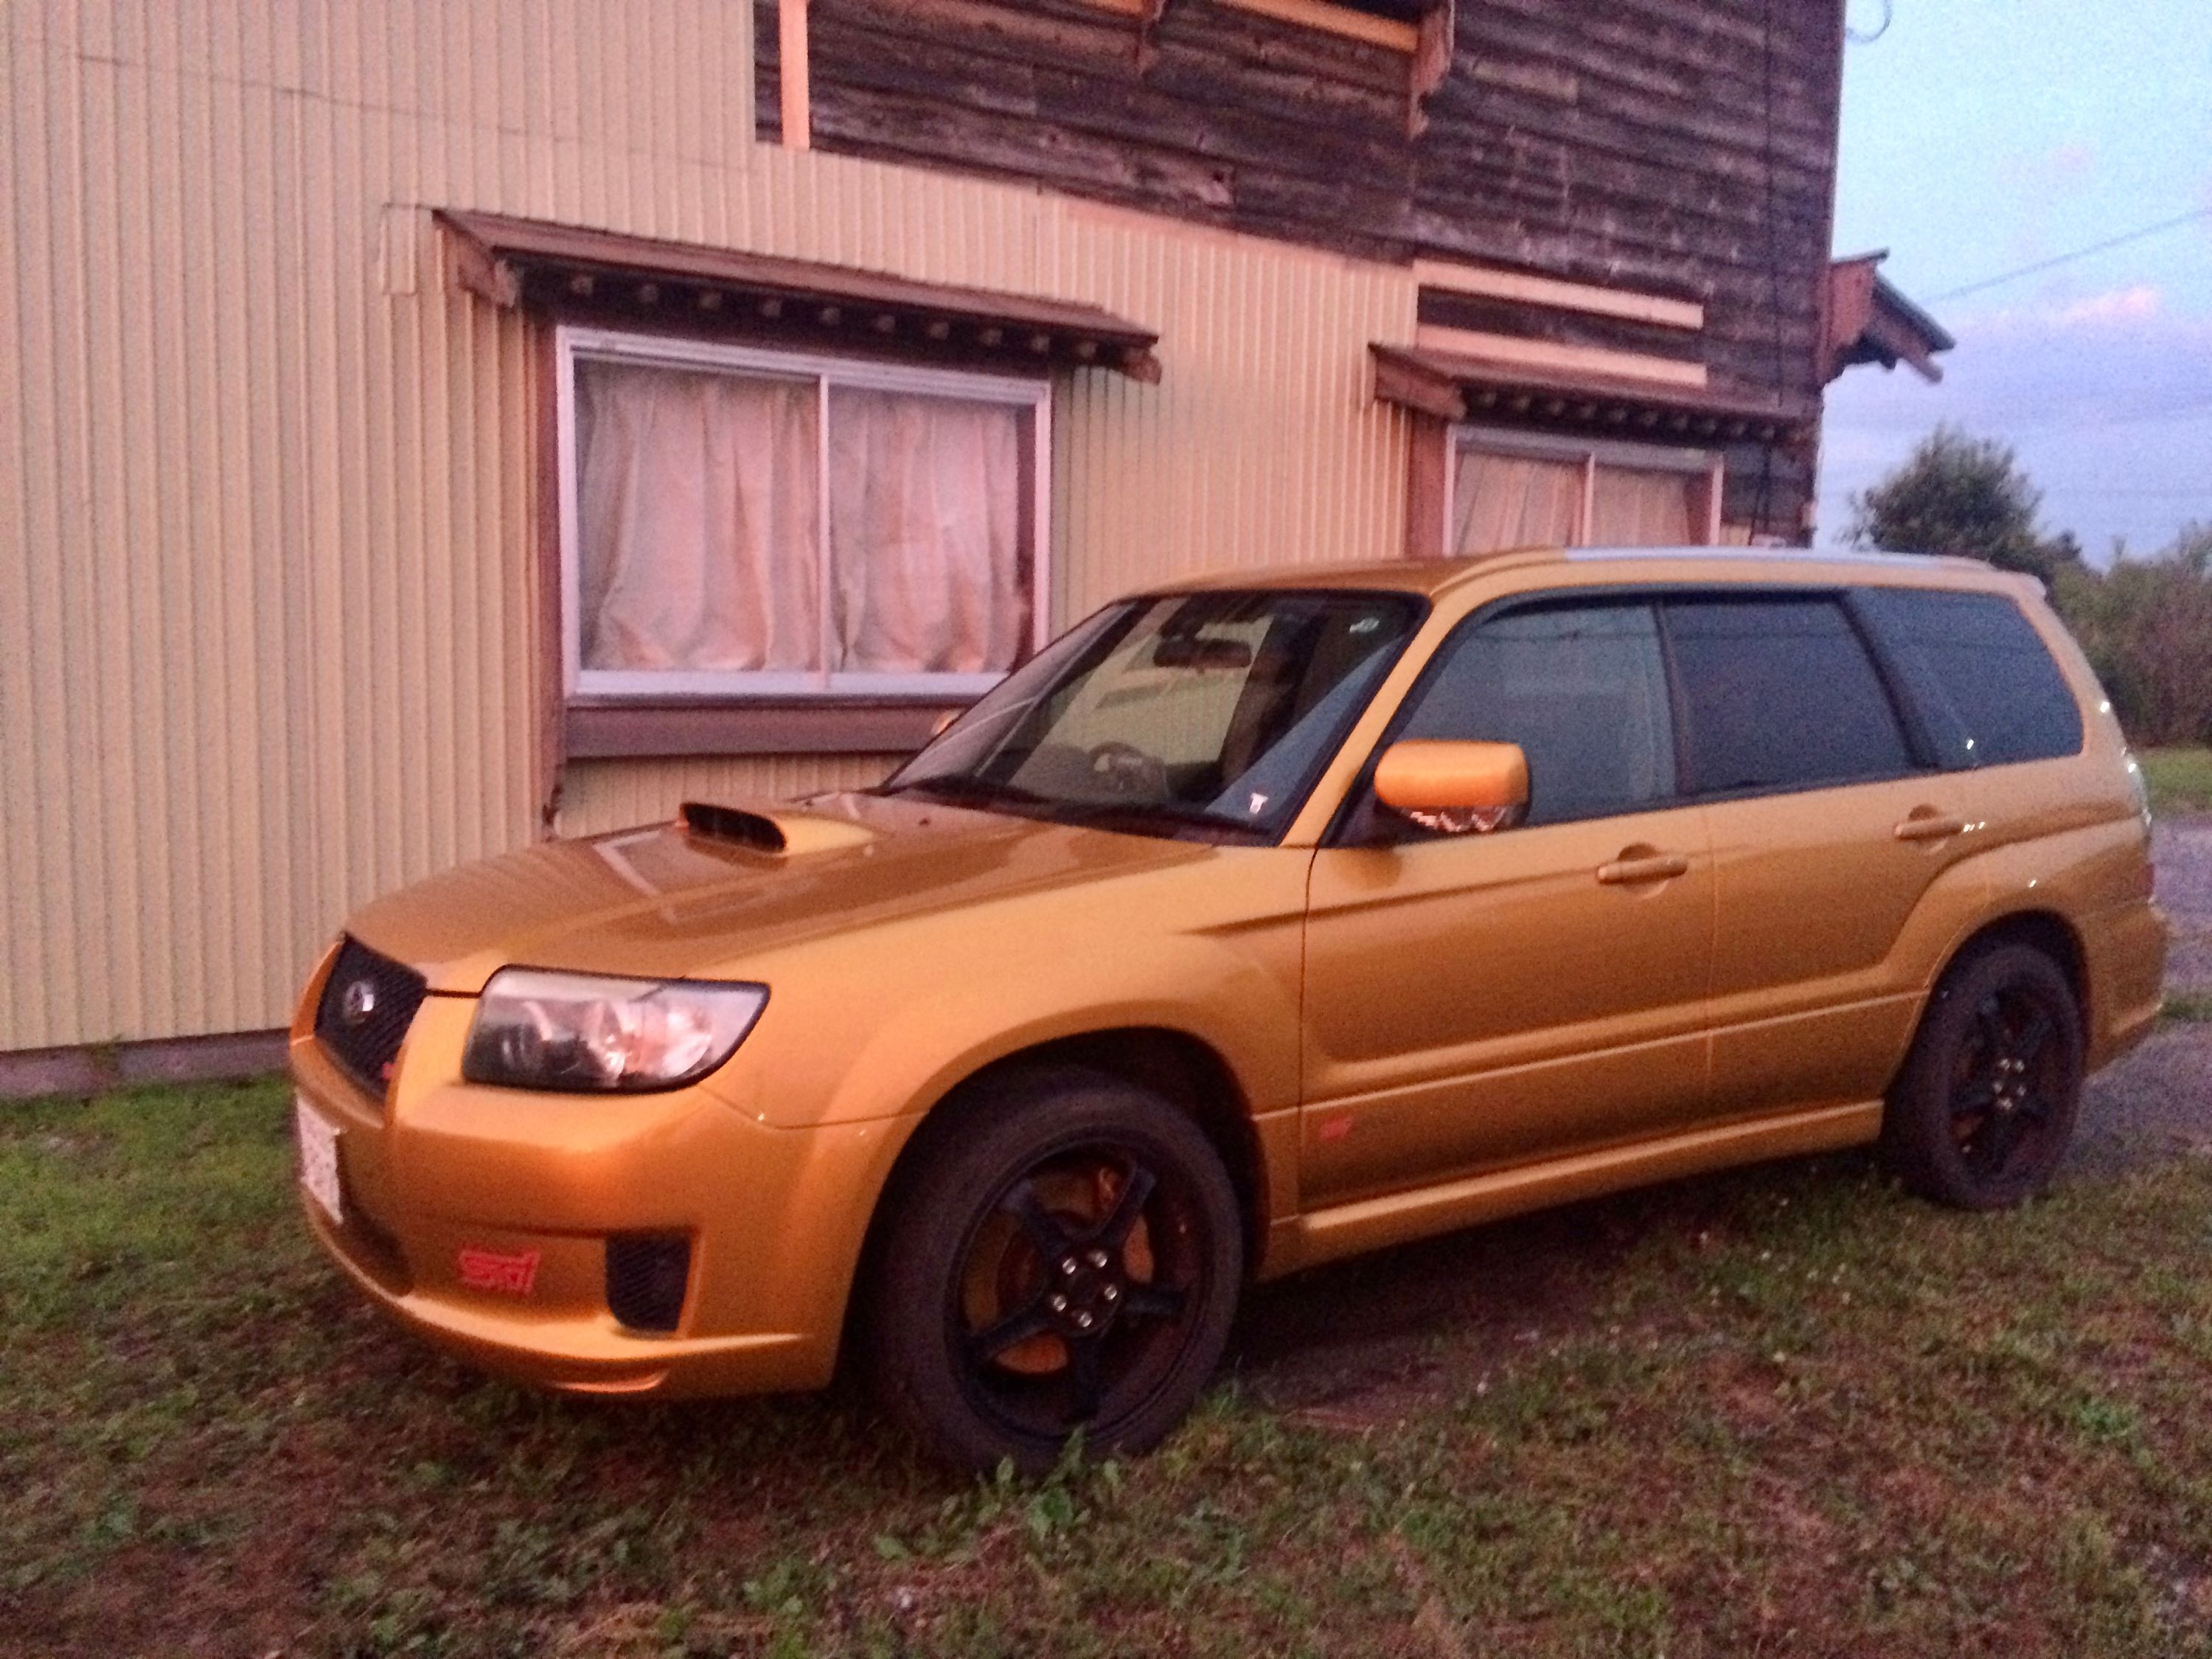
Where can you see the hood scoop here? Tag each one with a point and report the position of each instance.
(756, 831)
(779, 835)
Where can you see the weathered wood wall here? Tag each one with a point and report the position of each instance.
(1685, 147)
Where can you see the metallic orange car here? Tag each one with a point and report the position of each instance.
(1253, 923)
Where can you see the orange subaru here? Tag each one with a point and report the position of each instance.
(1255, 922)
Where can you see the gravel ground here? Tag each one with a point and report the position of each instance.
(2182, 849)
(2157, 1103)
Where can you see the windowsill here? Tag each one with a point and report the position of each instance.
(638, 729)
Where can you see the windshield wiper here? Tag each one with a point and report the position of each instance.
(964, 786)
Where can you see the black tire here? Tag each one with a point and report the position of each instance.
(1019, 1291)
(1981, 1114)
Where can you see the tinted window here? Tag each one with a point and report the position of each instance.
(1778, 694)
(1582, 689)
(1975, 659)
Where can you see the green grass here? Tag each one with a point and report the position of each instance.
(1783, 1411)
(2187, 1007)
(2180, 779)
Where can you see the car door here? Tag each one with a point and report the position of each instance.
(1477, 1001)
(1830, 822)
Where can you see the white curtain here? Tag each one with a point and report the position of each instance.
(1632, 506)
(1514, 500)
(698, 499)
(925, 534)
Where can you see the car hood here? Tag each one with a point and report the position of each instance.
(666, 901)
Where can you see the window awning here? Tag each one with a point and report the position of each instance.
(638, 280)
(1871, 321)
(1459, 388)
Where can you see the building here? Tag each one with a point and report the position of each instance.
(433, 427)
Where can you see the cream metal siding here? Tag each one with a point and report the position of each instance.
(267, 486)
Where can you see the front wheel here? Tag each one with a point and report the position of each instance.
(1983, 1112)
(1065, 1255)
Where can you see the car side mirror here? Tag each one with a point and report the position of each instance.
(1454, 787)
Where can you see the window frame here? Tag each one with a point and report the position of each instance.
(1903, 707)
(1355, 811)
(1943, 731)
(1592, 453)
(602, 688)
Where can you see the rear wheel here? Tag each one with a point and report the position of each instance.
(1985, 1106)
(1067, 1254)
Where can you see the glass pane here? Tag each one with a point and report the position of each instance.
(1514, 500)
(1640, 506)
(696, 499)
(1582, 689)
(928, 540)
(1779, 693)
(1976, 653)
(1207, 709)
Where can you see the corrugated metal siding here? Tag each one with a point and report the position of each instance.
(267, 488)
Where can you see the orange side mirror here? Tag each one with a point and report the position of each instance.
(1454, 786)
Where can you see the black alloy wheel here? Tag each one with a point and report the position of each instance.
(1066, 1255)
(1983, 1112)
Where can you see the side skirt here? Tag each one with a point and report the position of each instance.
(1398, 1218)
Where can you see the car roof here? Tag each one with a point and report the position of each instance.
(1434, 578)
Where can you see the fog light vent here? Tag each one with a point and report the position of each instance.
(647, 1274)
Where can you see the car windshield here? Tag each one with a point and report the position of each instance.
(1205, 715)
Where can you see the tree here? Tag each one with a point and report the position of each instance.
(2147, 626)
(1957, 494)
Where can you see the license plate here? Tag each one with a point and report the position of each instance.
(318, 1156)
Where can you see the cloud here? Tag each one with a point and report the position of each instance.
(2119, 305)
(2073, 161)
(2139, 302)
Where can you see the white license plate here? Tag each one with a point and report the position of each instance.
(319, 1155)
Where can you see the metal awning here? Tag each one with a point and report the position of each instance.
(573, 269)
(1458, 388)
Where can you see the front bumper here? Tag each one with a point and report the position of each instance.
(443, 1177)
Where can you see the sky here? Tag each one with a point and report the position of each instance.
(1981, 135)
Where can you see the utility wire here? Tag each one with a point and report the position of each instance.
(2121, 241)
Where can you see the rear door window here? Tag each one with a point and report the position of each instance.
(1778, 693)
(1581, 688)
(1978, 665)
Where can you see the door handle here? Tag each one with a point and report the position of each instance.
(1926, 824)
(1639, 864)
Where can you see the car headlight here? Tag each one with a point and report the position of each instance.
(588, 1034)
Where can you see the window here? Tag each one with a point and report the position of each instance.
(1778, 693)
(1206, 713)
(739, 523)
(1982, 670)
(1582, 689)
(1513, 490)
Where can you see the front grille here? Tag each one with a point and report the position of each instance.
(368, 1002)
(646, 1275)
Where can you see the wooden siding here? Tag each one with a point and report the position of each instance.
(269, 641)
(1621, 142)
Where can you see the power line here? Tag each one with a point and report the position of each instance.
(2121, 241)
